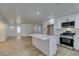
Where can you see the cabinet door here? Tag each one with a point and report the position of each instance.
(59, 23)
(68, 18)
(58, 39)
(71, 18)
(64, 19)
(77, 21)
(76, 42)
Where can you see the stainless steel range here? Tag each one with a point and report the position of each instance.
(67, 39)
(67, 36)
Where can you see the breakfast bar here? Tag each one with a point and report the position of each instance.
(45, 43)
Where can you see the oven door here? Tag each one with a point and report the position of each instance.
(66, 41)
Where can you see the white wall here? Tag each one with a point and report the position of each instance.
(39, 28)
(3, 33)
(25, 29)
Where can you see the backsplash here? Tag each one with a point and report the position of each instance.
(77, 31)
(72, 30)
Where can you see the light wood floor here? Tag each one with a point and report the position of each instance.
(19, 47)
(24, 47)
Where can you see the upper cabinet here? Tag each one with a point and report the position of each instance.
(69, 18)
(58, 23)
(77, 21)
(64, 19)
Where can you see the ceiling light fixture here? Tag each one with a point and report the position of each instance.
(37, 13)
(51, 21)
(78, 7)
(50, 17)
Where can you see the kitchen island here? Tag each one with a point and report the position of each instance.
(45, 43)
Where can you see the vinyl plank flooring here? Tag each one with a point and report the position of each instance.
(24, 47)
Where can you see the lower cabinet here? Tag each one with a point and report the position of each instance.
(58, 40)
(76, 42)
(47, 46)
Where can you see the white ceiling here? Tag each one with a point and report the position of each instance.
(26, 12)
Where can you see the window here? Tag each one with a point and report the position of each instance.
(18, 29)
(11, 27)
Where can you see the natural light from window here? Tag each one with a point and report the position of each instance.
(18, 29)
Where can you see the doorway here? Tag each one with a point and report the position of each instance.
(19, 32)
(50, 29)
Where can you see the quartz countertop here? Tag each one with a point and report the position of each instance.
(42, 36)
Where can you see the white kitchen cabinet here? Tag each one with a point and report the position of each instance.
(45, 43)
(77, 21)
(76, 42)
(64, 19)
(71, 18)
(68, 18)
(58, 29)
(59, 21)
(58, 39)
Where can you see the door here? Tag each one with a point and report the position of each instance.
(50, 29)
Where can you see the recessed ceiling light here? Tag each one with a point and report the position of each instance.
(51, 20)
(78, 7)
(50, 17)
(37, 13)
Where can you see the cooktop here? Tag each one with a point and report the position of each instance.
(68, 34)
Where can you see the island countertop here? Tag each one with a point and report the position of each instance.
(42, 36)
